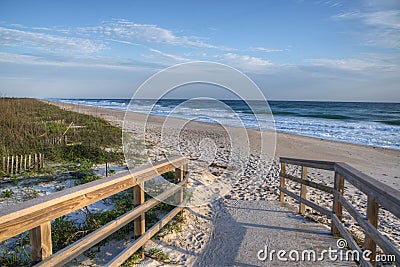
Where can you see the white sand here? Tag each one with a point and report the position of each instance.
(382, 164)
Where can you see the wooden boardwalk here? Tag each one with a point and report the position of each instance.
(243, 228)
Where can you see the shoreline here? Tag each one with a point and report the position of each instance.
(232, 126)
(254, 129)
(378, 162)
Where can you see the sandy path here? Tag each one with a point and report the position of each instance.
(242, 228)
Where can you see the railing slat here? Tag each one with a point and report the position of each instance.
(350, 242)
(140, 221)
(317, 164)
(282, 181)
(127, 252)
(30, 214)
(312, 205)
(40, 242)
(337, 206)
(315, 185)
(378, 194)
(385, 195)
(380, 239)
(68, 253)
(303, 190)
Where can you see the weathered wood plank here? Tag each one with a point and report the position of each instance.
(179, 176)
(139, 225)
(385, 195)
(303, 190)
(40, 242)
(145, 172)
(126, 253)
(282, 182)
(337, 206)
(372, 216)
(312, 205)
(325, 165)
(315, 185)
(34, 217)
(67, 254)
(350, 242)
(29, 214)
(384, 243)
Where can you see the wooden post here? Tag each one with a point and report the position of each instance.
(29, 161)
(21, 163)
(4, 164)
(372, 216)
(25, 163)
(65, 140)
(40, 240)
(337, 206)
(139, 222)
(179, 176)
(16, 164)
(12, 165)
(8, 164)
(41, 160)
(283, 183)
(36, 162)
(303, 190)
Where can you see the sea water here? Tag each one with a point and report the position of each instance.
(372, 124)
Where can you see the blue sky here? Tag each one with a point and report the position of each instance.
(293, 50)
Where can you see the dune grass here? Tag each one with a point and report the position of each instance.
(31, 126)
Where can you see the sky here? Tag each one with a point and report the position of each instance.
(330, 50)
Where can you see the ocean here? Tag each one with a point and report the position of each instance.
(372, 124)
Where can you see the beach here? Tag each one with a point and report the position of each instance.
(380, 163)
(259, 180)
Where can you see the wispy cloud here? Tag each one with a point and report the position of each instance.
(150, 33)
(384, 26)
(48, 42)
(370, 62)
(80, 62)
(245, 62)
(168, 56)
(265, 49)
(123, 42)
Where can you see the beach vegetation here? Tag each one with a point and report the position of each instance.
(8, 193)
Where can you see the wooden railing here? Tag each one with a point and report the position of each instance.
(35, 215)
(378, 194)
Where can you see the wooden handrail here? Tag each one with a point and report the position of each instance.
(318, 164)
(35, 215)
(379, 194)
(385, 195)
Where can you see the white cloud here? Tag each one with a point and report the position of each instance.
(12, 37)
(168, 56)
(387, 18)
(81, 62)
(150, 33)
(123, 42)
(267, 50)
(371, 62)
(385, 26)
(245, 62)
